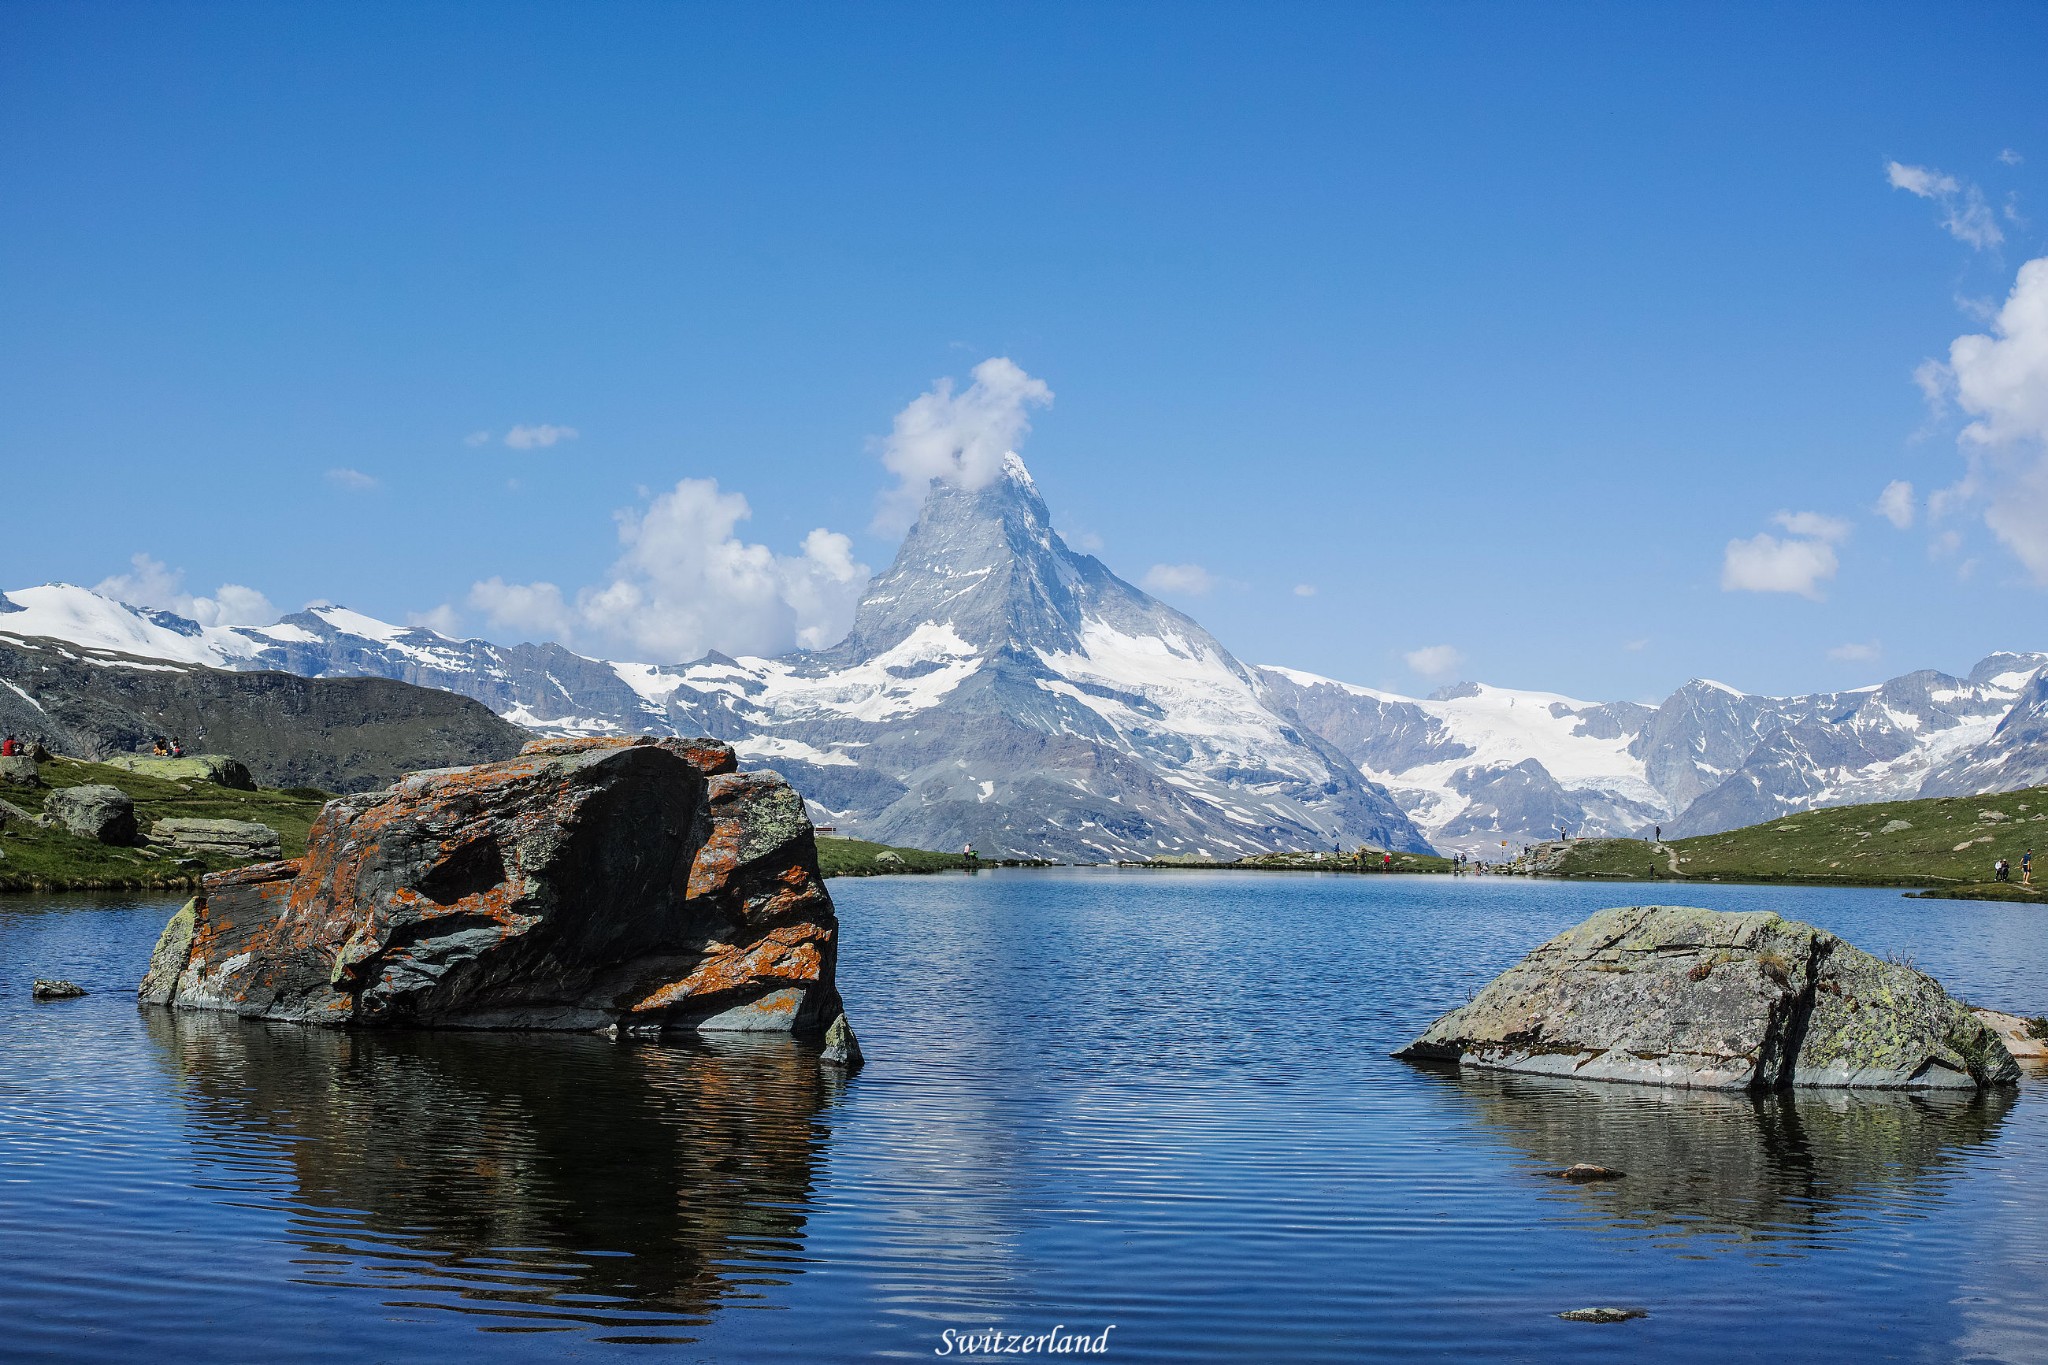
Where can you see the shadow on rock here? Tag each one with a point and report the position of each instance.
(540, 1181)
(1764, 1166)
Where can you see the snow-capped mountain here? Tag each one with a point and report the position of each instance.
(1000, 688)
(996, 688)
(1476, 765)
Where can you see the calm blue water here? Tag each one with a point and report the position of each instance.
(1161, 1101)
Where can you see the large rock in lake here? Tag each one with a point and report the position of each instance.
(641, 884)
(1671, 995)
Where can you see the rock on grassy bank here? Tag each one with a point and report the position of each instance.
(38, 857)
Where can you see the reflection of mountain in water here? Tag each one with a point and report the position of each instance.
(521, 1177)
(1762, 1165)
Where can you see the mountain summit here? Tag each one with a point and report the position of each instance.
(1001, 689)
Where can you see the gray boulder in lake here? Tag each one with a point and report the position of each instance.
(1671, 995)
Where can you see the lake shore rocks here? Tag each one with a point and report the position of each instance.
(103, 813)
(222, 770)
(1671, 995)
(248, 841)
(638, 885)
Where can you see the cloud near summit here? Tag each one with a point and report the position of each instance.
(959, 437)
(685, 583)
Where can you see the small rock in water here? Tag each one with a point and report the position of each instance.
(1582, 1172)
(842, 1049)
(56, 990)
(1602, 1314)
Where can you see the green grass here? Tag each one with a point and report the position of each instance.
(839, 857)
(52, 860)
(1944, 843)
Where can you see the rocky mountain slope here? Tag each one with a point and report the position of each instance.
(1475, 765)
(342, 734)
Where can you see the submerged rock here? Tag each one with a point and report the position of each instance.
(635, 884)
(1671, 995)
(94, 812)
(1602, 1314)
(842, 1049)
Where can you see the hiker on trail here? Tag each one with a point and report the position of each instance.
(9, 747)
(1386, 862)
(177, 747)
(1659, 836)
(2027, 868)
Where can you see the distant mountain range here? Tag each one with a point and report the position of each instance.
(999, 688)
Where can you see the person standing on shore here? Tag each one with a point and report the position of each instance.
(2027, 868)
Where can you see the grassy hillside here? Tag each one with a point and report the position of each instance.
(858, 858)
(53, 860)
(1947, 843)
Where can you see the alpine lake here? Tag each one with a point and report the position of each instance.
(1148, 1103)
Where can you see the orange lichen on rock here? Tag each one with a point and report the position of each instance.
(582, 883)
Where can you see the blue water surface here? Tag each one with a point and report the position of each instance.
(1161, 1101)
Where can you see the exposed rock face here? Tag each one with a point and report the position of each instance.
(247, 840)
(219, 769)
(337, 734)
(1671, 995)
(641, 884)
(94, 812)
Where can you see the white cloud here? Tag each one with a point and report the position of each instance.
(1855, 653)
(685, 584)
(1434, 661)
(1963, 210)
(1637, 646)
(2010, 157)
(352, 480)
(149, 584)
(477, 438)
(1815, 524)
(1186, 580)
(960, 438)
(1764, 563)
(1087, 542)
(443, 619)
(539, 437)
(1304, 590)
(1896, 504)
(1999, 379)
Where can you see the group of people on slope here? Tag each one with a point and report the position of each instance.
(2002, 870)
(160, 747)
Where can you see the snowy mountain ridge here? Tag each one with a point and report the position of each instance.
(1000, 688)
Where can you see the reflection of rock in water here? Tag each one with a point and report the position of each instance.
(1771, 1164)
(414, 1154)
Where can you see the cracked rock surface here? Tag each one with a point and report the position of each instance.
(1671, 995)
(586, 884)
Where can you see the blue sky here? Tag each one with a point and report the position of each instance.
(1495, 326)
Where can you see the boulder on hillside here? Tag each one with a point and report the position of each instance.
(1670, 995)
(93, 812)
(19, 770)
(219, 769)
(247, 840)
(637, 884)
